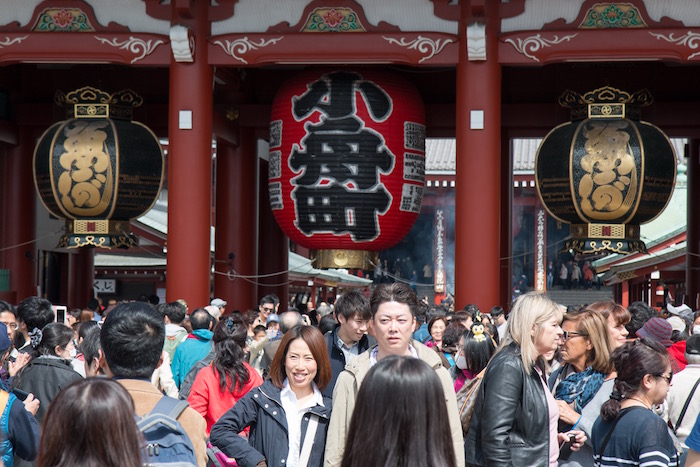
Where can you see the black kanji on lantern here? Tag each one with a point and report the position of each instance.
(339, 188)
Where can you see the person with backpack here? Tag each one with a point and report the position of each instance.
(97, 414)
(132, 342)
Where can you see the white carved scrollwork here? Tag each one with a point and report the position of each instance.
(243, 46)
(133, 45)
(535, 43)
(182, 44)
(690, 39)
(424, 45)
(8, 42)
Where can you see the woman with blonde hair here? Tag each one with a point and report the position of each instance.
(585, 380)
(515, 420)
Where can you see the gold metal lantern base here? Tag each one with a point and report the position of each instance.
(345, 259)
(608, 238)
(97, 233)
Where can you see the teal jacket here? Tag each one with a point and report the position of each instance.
(197, 346)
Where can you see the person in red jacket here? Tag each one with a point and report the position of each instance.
(219, 386)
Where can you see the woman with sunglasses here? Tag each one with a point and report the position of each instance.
(585, 379)
(628, 432)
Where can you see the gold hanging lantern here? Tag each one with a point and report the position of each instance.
(98, 169)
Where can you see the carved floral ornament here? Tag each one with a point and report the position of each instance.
(333, 20)
(63, 20)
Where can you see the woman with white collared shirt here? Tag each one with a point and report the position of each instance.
(287, 415)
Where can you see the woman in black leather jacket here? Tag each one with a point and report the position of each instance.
(514, 423)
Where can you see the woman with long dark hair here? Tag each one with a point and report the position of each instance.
(47, 374)
(219, 386)
(287, 415)
(91, 423)
(628, 432)
(475, 351)
(400, 418)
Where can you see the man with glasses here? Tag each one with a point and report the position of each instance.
(8, 317)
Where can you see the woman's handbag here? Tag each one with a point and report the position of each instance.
(466, 400)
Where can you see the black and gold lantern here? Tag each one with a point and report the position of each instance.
(605, 172)
(98, 169)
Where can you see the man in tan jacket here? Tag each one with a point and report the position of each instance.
(393, 315)
(132, 343)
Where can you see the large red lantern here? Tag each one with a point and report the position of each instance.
(347, 163)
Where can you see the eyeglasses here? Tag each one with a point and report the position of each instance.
(569, 334)
(268, 309)
(668, 377)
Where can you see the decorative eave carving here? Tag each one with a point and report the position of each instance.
(421, 49)
(136, 46)
(543, 47)
(124, 48)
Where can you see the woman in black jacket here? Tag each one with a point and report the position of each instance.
(285, 410)
(47, 374)
(515, 421)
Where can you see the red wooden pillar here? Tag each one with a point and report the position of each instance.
(236, 229)
(478, 190)
(692, 266)
(189, 171)
(625, 294)
(19, 212)
(273, 251)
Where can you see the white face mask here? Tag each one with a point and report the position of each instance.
(696, 329)
(461, 362)
(73, 353)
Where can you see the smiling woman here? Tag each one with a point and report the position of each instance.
(284, 408)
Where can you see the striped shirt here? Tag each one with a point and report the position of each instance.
(640, 438)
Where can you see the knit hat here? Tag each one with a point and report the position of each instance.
(677, 323)
(657, 329)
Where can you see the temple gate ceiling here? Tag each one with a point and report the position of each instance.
(545, 47)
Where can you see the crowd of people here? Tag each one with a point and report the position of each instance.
(381, 380)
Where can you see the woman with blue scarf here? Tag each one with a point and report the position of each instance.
(585, 380)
